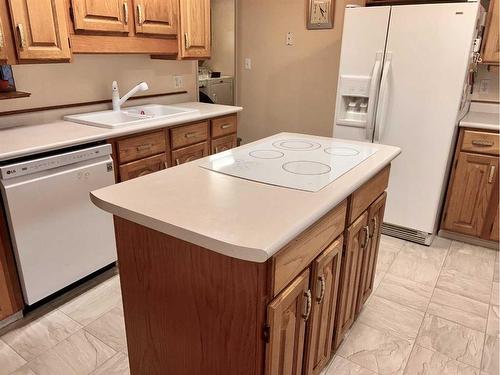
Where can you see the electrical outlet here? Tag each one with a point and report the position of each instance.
(484, 87)
(290, 39)
(248, 63)
(178, 82)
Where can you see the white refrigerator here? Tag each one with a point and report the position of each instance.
(404, 82)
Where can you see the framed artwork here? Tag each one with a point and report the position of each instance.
(320, 14)
(7, 79)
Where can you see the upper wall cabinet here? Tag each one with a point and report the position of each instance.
(157, 17)
(195, 29)
(101, 15)
(491, 51)
(40, 29)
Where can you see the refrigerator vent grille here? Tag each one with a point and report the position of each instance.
(412, 235)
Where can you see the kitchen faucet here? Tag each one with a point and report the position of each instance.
(117, 102)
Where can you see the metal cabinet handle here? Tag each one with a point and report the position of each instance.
(2, 41)
(308, 307)
(186, 41)
(190, 135)
(322, 289)
(165, 164)
(22, 37)
(144, 147)
(125, 12)
(375, 226)
(140, 18)
(226, 126)
(367, 236)
(177, 162)
(492, 174)
(482, 143)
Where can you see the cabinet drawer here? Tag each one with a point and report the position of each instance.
(480, 142)
(224, 143)
(301, 251)
(141, 146)
(362, 198)
(190, 153)
(143, 167)
(189, 134)
(224, 125)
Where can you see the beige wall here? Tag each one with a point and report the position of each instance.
(223, 37)
(89, 78)
(493, 91)
(290, 88)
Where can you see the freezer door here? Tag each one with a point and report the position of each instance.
(363, 44)
(427, 56)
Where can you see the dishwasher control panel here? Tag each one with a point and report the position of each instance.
(37, 165)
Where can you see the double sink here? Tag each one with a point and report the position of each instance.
(131, 116)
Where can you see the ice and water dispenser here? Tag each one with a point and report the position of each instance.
(354, 94)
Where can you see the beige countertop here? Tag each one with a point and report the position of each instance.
(482, 116)
(232, 216)
(33, 139)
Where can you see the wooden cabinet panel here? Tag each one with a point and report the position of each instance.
(481, 142)
(190, 153)
(4, 42)
(494, 229)
(143, 167)
(195, 41)
(159, 17)
(41, 29)
(189, 134)
(141, 146)
(370, 255)
(224, 143)
(324, 284)
(472, 185)
(287, 315)
(302, 250)
(491, 50)
(224, 125)
(110, 16)
(355, 241)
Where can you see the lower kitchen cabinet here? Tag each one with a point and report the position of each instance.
(287, 315)
(143, 167)
(190, 153)
(224, 143)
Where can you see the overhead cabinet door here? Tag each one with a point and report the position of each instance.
(195, 28)
(40, 29)
(157, 17)
(110, 16)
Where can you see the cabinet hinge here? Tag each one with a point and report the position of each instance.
(266, 333)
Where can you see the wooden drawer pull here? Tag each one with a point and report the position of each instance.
(308, 306)
(322, 289)
(226, 126)
(482, 143)
(22, 37)
(492, 174)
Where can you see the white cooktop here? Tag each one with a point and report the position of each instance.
(291, 161)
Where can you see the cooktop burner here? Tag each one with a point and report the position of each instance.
(266, 154)
(342, 151)
(306, 168)
(296, 145)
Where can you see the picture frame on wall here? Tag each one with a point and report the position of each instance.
(320, 14)
(7, 82)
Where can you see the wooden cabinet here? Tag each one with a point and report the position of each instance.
(493, 232)
(190, 153)
(491, 48)
(107, 16)
(141, 146)
(189, 134)
(370, 255)
(143, 167)
(7, 50)
(194, 35)
(156, 17)
(223, 126)
(40, 30)
(287, 316)
(324, 284)
(357, 236)
(224, 143)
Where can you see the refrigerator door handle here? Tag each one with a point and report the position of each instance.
(380, 117)
(372, 95)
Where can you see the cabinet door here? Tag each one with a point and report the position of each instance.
(491, 51)
(157, 17)
(287, 315)
(110, 16)
(41, 29)
(3, 40)
(470, 193)
(143, 167)
(190, 153)
(324, 284)
(494, 228)
(195, 28)
(370, 255)
(356, 239)
(224, 143)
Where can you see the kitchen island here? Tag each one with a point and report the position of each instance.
(228, 275)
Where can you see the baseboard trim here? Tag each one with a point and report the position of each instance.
(469, 239)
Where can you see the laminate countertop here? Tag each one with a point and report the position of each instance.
(482, 116)
(233, 216)
(28, 140)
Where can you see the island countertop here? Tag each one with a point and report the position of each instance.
(232, 216)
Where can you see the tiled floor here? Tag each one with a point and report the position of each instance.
(434, 312)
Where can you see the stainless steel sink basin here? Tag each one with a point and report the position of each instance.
(130, 116)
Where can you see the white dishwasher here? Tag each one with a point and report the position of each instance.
(58, 235)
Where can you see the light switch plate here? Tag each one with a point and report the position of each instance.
(484, 87)
(248, 63)
(290, 39)
(178, 82)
